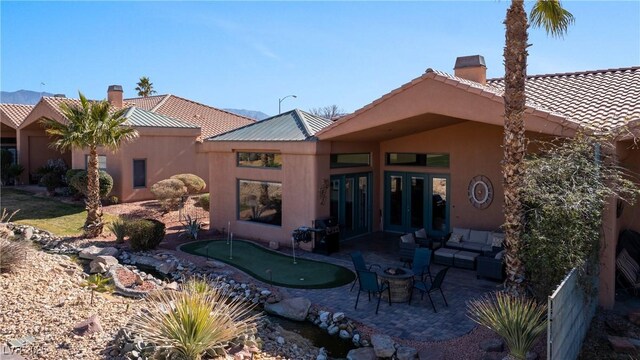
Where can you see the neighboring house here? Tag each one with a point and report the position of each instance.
(167, 145)
(427, 154)
(11, 116)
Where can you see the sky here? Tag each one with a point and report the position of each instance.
(248, 55)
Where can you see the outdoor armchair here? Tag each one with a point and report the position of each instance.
(408, 246)
(360, 264)
(369, 282)
(490, 266)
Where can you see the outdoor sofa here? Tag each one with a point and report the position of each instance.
(464, 247)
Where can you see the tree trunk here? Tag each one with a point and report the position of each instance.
(515, 57)
(93, 225)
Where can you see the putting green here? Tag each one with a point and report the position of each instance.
(273, 267)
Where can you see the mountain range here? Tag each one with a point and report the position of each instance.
(28, 97)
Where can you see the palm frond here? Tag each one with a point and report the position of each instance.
(550, 15)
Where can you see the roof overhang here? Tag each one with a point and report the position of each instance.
(433, 101)
(284, 147)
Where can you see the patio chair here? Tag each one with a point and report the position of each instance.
(368, 281)
(435, 285)
(359, 264)
(422, 264)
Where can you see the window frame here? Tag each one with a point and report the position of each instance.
(387, 157)
(86, 162)
(336, 165)
(258, 167)
(133, 173)
(238, 202)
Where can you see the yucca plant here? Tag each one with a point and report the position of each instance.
(195, 321)
(118, 228)
(518, 320)
(191, 228)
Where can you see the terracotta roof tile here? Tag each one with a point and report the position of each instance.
(15, 113)
(211, 120)
(146, 103)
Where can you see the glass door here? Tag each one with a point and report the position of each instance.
(414, 201)
(350, 203)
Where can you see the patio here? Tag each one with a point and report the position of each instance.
(415, 322)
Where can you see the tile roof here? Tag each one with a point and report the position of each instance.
(142, 118)
(211, 120)
(602, 99)
(15, 113)
(294, 125)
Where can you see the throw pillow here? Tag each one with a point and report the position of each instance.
(497, 239)
(455, 238)
(408, 239)
(500, 255)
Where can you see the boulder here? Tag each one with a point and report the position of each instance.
(344, 334)
(102, 264)
(93, 252)
(406, 353)
(338, 316)
(492, 345)
(365, 353)
(324, 316)
(383, 345)
(332, 330)
(27, 233)
(292, 308)
(90, 326)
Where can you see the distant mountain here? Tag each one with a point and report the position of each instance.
(26, 97)
(258, 115)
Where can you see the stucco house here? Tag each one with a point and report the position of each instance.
(170, 129)
(425, 155)
(11, 116)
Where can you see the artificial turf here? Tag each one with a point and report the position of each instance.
(273, 267)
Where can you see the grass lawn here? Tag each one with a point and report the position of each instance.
(45, 213)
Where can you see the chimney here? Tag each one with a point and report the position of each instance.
(471, 68)
(114, 96)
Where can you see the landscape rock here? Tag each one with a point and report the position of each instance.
(172, 286)
(27, 233)
(90, 326)
(274, 245)
(166, 267)
(92, 252)
(492, 345)
(102, 264)
(292, 308)
(406, 353)
(383, 345)
(344, 334)
(365, 353)
(332, 330)
(338, 316)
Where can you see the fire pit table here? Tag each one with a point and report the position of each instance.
(400, 282)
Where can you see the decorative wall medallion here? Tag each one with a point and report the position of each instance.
(480, 192)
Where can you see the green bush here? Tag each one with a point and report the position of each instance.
(518, 320)
(8, 169)
(80, 180)
(51, 181)
(118, 228)
(68, 176)
(203, 202)
(201, 320)
(51, 175)
(169, 192)
(145, 234)
(193, 183)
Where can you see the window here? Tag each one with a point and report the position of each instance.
(350, 160)
(414, 159)
(139, 173)
(260, 201)
(102, 162)
(255, 159)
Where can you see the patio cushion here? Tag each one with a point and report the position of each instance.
(455, 238)
(408, 238)
(466, 255)
(454, 244)
(627, 266)
(463, 232)
(473, 246)
(422, 233)
(487, 248)
(495, 239)
(479, 237)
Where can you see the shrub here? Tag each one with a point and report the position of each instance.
(12, 252)
(51, 175)
(193, 183)
(518, 320)
(80, 180)
(68, 176)
(194, 322)
(51, 181)
(191, 228)
(118, 228)
(144, 234)
(203, 202)
(169, 192)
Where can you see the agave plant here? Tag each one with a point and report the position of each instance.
(118, 228)
(99, 283)
(191, 228)
(518, 320)
(193, 322)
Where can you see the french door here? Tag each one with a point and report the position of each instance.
(416, 200)
(351, 203)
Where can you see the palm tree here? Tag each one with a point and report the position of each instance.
(550, 15)
(145, 87)
(90, 125)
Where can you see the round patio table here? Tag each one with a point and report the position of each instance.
(400, 283)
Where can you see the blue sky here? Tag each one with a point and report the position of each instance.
(249, 54)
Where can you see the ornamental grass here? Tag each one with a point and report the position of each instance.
(518, 320)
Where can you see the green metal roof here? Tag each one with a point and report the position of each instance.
(294, 125)
(142, 118)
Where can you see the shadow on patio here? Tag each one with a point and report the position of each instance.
(410, 322)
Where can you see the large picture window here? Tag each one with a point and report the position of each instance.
(350, 160)
(139, 173)
(256, 159)
(260, 201)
